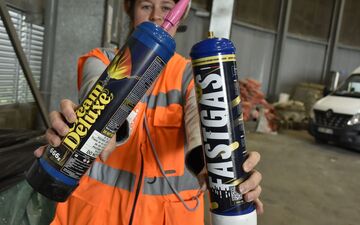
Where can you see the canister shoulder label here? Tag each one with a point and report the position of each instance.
(214, 59)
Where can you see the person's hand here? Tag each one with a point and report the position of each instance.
(59, 128)
(250, 188)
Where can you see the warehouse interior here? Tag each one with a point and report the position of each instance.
(298, 65)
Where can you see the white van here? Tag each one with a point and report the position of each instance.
(336, 117)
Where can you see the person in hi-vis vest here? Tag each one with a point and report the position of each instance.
(129, 182)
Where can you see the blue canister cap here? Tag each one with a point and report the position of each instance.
(152, 35)
(212, 46)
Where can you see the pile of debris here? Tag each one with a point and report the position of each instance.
(256, 108)
(294, 113)
(291, 114)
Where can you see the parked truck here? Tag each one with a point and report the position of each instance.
(335, 118)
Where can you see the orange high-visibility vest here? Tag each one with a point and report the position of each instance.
(128, 188)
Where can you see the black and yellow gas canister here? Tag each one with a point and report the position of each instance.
(114, 95)
(222, 129)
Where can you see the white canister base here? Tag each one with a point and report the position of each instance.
(246, 219)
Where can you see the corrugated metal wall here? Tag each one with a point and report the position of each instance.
(80, 29)
(254, 53)
(302, 59)
(346, 60)
(254, 48)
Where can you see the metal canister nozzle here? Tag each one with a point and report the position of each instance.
(211, 34)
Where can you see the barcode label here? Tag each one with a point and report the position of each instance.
(95, 144)
(235, 196)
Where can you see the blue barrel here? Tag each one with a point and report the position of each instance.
(223, 135)
(114, 95)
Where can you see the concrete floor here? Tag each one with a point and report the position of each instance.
(306, 183)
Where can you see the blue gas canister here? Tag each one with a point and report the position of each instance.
(121, 86)
(222, 129)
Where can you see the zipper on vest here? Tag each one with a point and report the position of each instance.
(138, 187)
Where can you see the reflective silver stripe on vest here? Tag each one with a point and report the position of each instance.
(163, 99)
(152, 185)
(186, 79)
(113, 177)
(109, 53)
(159, 185)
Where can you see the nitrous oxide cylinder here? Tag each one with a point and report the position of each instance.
(120, 87)
(222, 130)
